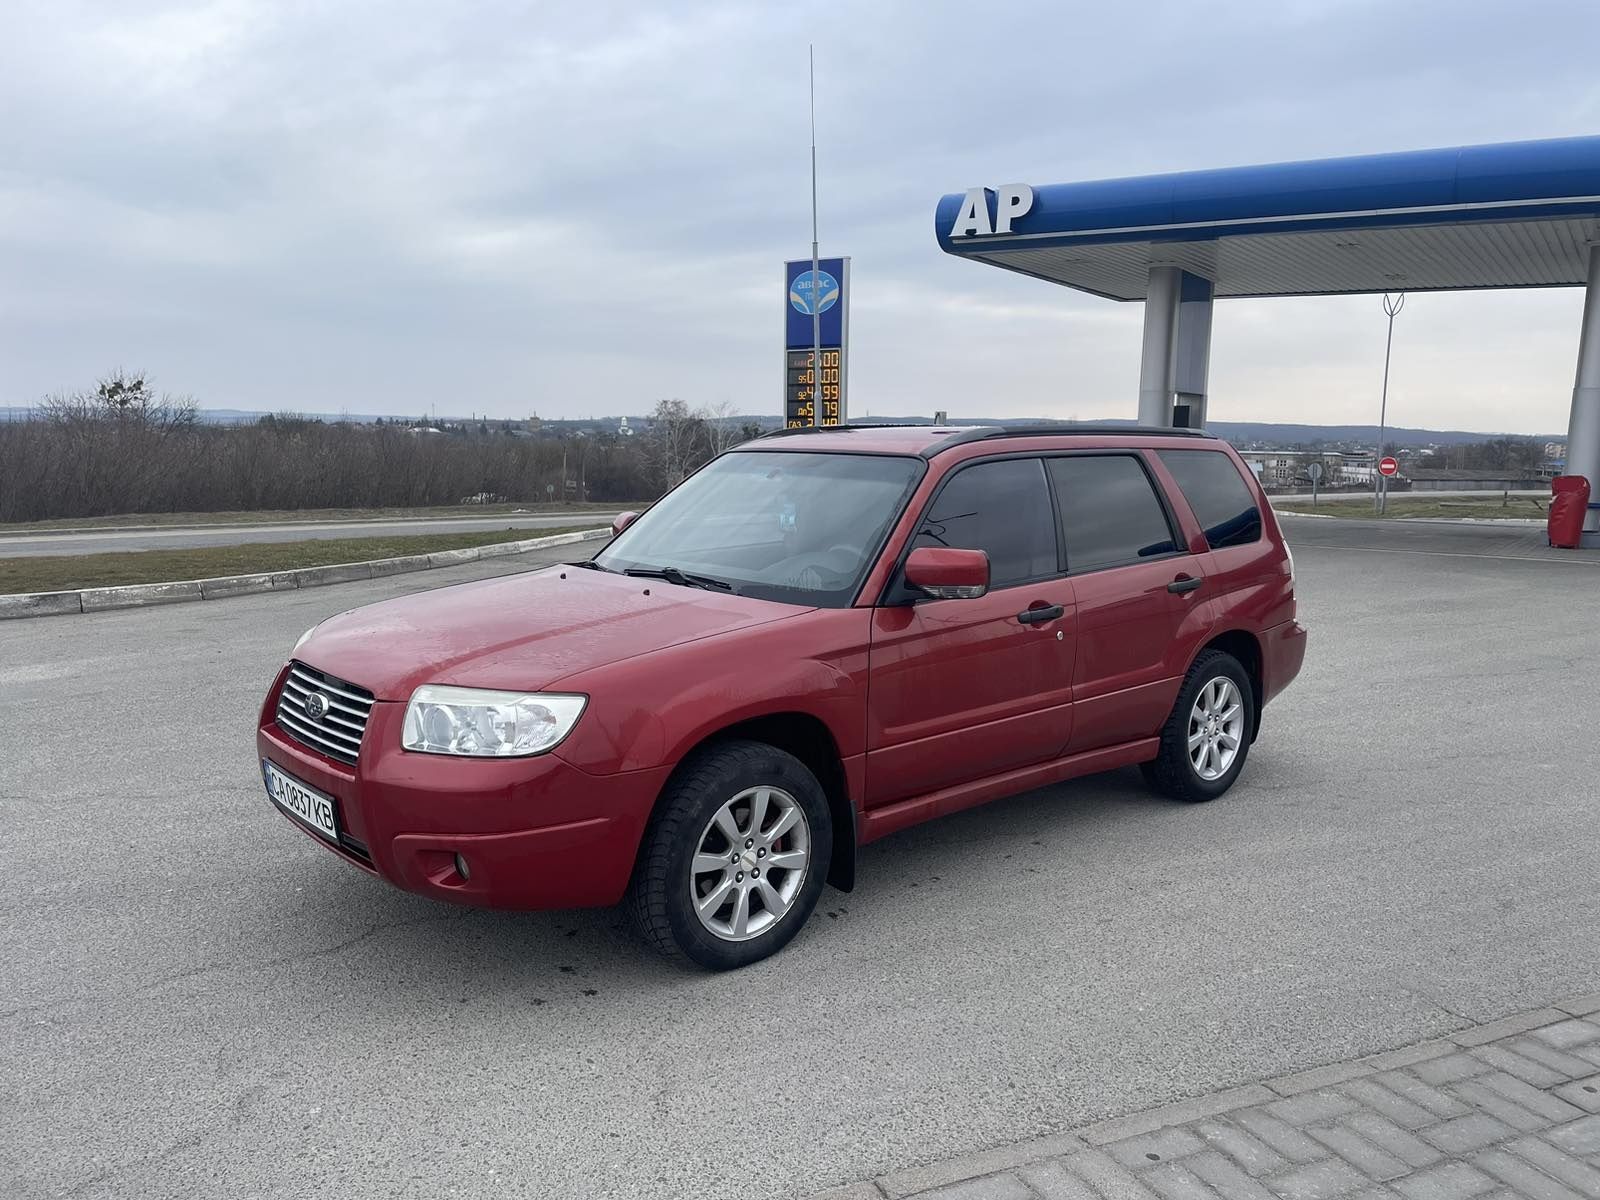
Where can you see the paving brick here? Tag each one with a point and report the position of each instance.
(1489, 1101)
(1407, 1056)
(1380, 1192)
(1549, 1107)
(865, 1190)
(1448, 1181)
(1581, 1006)
(990, 1187)
(1395, 1107)
(1512, 1063)
(1372, 1161)
(1227, 1178)
(1523, 1178)
(1179, 1113)
(1558, 1165)
(1493, 1031)
(1285, 1139)
(1580, 1137)
(1418, 1092)
(1591, 1052)
(1243, 1147)
(1318, 1181)
(1559, 1061)
(1397, 1141)
(1449, 1069)
(1318, 1077)
(1154, 1147)
(1465, 1134)
(1585, 1093)
(1054, 1182)
(1176, 1182)
(1106, 1175)
(1313, 1106)
(1566, 1034)
(912, 1180)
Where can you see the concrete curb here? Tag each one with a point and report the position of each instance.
(141, 595)
(911, 1181)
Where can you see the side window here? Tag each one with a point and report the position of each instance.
(1110, 515)
(1000, 507)
(1215, 490)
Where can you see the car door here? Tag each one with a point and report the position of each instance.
(964, 689)
(1141, 610)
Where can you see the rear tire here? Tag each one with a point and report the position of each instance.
(734, 858)
(1207, 737)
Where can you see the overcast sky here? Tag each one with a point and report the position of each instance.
(582, 208)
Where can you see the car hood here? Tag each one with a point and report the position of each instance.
(521, 632)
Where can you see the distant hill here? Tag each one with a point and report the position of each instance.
(1240, 432)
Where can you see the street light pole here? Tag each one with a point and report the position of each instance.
(1380, 488)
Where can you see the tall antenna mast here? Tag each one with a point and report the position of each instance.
(816, 265)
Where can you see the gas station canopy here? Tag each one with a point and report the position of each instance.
(1522, 214)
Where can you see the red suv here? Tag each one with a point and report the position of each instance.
(819, 638)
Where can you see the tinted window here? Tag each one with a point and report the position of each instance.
(1221, 501)
(1002, 508)
(1109, 511)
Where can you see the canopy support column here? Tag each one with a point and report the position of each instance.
(1583, 426)
(1177, 349)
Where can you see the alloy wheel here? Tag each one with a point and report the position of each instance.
(1216, 728)
(750, 863)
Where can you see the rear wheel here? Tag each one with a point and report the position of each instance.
(735, 856)
(1207, 738)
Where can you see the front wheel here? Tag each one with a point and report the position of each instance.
(735, 857)
(1207, 738)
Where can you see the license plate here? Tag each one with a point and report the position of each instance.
(305, 804)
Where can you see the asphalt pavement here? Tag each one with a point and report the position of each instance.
(197, 1000)
(185, 537)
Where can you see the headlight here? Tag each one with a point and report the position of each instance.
(470, 721)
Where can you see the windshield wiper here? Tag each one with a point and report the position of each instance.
(587, 564)
(681, 578)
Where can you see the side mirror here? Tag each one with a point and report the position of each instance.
(621, 521)
(948, 574)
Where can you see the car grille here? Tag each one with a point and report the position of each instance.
(338, 732)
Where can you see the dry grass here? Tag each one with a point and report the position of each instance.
(52, 573)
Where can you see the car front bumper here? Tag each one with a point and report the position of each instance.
(532, 832)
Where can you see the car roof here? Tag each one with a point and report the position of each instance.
(926, 441)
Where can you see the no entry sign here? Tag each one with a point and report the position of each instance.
(1388, 466)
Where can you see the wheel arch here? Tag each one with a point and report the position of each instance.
(809, 739)
(1246, 648)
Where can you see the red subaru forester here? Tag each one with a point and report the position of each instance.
(819, 638)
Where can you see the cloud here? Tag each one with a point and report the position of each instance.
(574, 209)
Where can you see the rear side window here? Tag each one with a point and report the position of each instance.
(1002, 508)
(1216, 491)
(1109, 511)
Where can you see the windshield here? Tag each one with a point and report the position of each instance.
(780, 525)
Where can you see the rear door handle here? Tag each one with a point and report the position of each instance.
(1035, 616)
(1182, 584)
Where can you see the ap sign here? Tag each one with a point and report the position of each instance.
(985, 212)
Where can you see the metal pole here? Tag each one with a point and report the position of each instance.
(1380, 490)
(816, 265)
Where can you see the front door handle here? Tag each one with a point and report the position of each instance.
(1036, 616)
(1183, 584)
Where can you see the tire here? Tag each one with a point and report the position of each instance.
(690, 829)
(1174, 772)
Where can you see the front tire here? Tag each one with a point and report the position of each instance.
(735, 857)
(1207, 738)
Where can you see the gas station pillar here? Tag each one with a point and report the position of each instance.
(1583, 427)
(1177, 349)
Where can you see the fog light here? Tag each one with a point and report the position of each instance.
(461, 868)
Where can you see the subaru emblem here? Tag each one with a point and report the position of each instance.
(316, 705)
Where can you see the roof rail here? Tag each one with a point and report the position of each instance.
(847, 428)
(984, 433)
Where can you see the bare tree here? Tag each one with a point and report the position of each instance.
(671, 444)
(723, 431)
